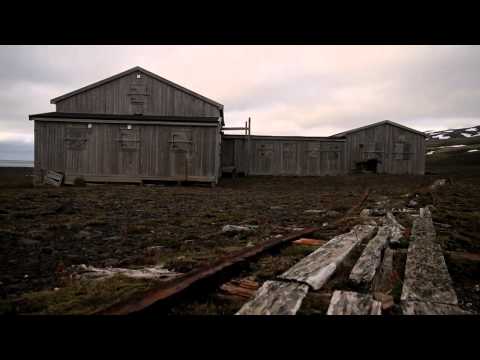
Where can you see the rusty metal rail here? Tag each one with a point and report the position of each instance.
(177, 285)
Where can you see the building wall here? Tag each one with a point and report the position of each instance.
(283, 156)
(399, 151)
(111, 152)
(129, 95)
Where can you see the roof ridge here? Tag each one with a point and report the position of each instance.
(126, 72)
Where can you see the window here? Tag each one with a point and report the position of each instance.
(129, 138)
(181, 141)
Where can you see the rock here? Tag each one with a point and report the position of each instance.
(332, 213)
(313, 211)
(82, 235)
(477, 288)
(365, 213)
(28, 242)
(325, 224)
(412, 204)
(250, 244)
(238, 228)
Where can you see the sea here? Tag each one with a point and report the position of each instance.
(16, 163)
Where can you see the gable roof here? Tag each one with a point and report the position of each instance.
(384, 122)
(136, 69)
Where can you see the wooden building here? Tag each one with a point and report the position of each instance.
(132, 127)
(384, 147)
(397, 149)
(137, 126)
(283, 155)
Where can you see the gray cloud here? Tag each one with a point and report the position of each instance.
(298, 90)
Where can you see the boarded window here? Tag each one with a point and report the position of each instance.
(402, 151)
(138, 94)
(129, 139)
(265, 150)
(313, 150)
(77, 136)
(181, 141)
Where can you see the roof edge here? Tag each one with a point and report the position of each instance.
(126, 72)
(384, 122)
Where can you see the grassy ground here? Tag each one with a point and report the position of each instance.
(44, 230)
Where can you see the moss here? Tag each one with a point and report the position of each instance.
(82, 297)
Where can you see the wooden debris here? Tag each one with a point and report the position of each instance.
(385, 299)
(276, 298)
(316, 268)
(364, 270)
(353, 303)
(92, 273)
(243, 288)
(383, 281)
(426, 274)
(313, 242)
(438, 183)
(457, 255)
(429, 308)
(53, 178)
(395, 227)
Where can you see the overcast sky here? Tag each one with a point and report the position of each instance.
(286, 90)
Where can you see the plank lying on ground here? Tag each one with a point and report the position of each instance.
(175, 286)
(428, 308)
(316, 268)
(367, 264)
(426, 274)
(353, 303)
(457, 255)
(312, 242)
(384, 279)
(276, 298)
(396, 228)
(243, 288)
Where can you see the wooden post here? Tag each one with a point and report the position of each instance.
(248, 148)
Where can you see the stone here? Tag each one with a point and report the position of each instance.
(238, 228)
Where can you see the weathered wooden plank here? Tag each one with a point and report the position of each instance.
(395, 227)
(430, 308)
(318, 267)
(426, 273)
(276, 298)
(353, 303)
(367, 264)
(311, 242)
(383, 281)
(53, 178)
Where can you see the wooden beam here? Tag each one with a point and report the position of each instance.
(353, 303)
(367, 264)
(429, 308)
(276, 298)
(316, 268)
(426, 273)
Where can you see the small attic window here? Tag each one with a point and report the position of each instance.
(139, 76)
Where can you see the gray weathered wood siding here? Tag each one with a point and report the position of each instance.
(115, 97)
(284, 156)
(400, 151)
(112, 152)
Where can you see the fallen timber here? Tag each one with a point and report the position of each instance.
(176, 286)
(276, 298)
(366, 266)
(353, 303)
(316, 268)
(427, 286)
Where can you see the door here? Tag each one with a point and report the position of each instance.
(180, 154)
(289, 159)
(129, 150)
(76, 140)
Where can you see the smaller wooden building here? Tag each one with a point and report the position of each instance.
(396, 149)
